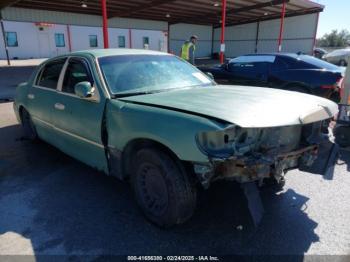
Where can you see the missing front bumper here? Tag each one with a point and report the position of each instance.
(256, 166)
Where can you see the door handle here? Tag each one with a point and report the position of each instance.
(31, 96)
(59, 106)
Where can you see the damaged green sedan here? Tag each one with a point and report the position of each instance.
(155, 120)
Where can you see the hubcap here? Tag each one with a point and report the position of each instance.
(152, 189)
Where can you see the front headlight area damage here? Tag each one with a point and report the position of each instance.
(252, 154)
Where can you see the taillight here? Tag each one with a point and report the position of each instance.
(340, 82)
(341, 85)
(329, 86)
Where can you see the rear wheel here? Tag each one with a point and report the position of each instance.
(162, 188)
(28, 126)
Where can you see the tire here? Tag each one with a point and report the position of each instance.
(162, 188)
(28, 125)
(342, 137)
(342, 63)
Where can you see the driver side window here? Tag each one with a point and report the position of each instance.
(77, 71)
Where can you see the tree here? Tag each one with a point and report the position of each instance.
(335, 39)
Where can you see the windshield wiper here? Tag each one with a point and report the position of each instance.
(138, 93)
(131, 94)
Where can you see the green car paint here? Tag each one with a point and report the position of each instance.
(76, 130)
(192, 123)
(173, 129)
(257, 110)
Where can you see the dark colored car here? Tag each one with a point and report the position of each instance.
(302, 73)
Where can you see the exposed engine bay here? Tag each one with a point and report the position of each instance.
(252, 154)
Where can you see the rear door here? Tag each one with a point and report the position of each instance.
(78, 121)
(41, 98)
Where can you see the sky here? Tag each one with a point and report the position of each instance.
(335, 16)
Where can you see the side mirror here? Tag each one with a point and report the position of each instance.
(84, 89)
(210, 75)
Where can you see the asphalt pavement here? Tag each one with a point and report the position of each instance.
(11, 76)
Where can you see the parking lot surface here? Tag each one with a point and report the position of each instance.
(53, 204)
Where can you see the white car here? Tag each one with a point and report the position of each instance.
(342, 129)
(338, 57)
(346, 87)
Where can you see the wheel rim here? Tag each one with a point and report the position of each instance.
(152, 189)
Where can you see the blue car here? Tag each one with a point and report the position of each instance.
(294, 72)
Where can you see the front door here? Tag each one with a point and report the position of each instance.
(78, 121)
(44, 45)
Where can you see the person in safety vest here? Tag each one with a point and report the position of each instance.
(188, 49)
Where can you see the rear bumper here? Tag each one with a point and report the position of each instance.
(329, 93)
(256, 166)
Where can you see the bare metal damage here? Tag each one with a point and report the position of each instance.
(248, 155)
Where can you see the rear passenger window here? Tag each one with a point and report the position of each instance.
(49, 75)
(279, 65)
(76, 72)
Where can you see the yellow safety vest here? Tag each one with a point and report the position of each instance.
(185, 50)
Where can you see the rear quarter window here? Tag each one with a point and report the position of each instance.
(310, 62)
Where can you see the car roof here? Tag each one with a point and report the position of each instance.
(292, 55)
(344, 50)
(117, 51)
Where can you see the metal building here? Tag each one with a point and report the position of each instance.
(39, 28)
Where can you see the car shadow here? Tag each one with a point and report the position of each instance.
(65, 207)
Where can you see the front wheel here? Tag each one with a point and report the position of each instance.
(162, 188)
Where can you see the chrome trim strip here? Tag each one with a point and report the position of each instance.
(45, 88)
(62, 74)
(71, 134)
(102, 80)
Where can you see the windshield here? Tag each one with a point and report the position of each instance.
(133, 74)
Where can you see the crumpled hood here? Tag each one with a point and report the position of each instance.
(245, 106)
